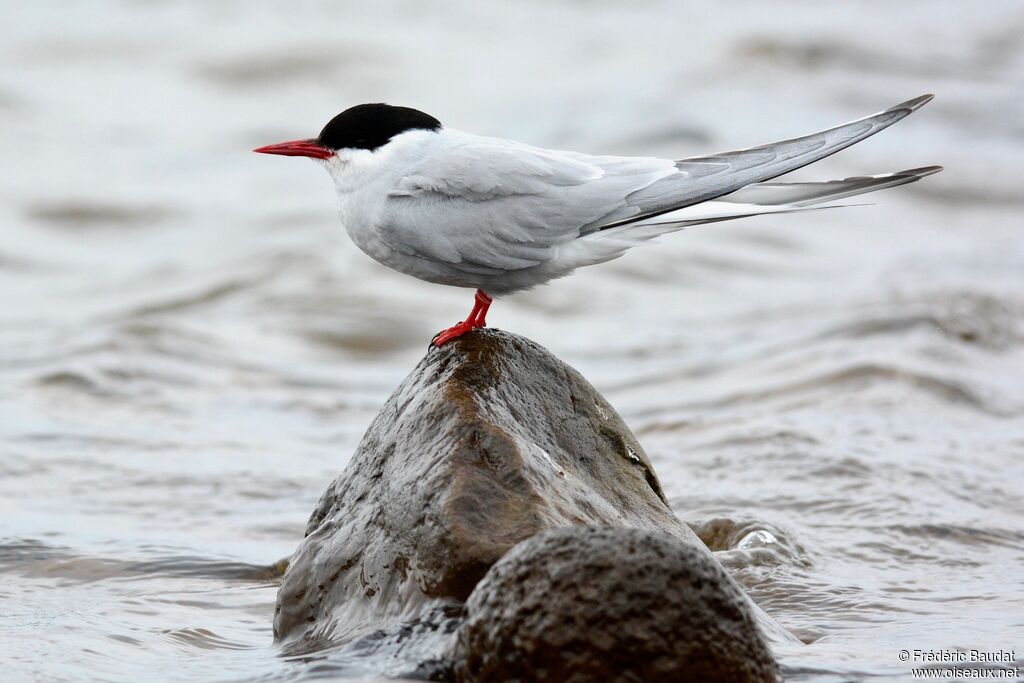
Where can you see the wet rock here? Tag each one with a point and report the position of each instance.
(489, 441)
(609, 604)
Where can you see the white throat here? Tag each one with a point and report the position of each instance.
(352, 169)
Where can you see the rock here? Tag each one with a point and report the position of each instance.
(609, 604)
(489, 441)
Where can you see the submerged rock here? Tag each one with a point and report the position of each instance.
(609, 604)
(488, 442)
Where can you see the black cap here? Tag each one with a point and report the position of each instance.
(369, 126)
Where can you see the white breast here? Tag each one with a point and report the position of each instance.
(362, 180)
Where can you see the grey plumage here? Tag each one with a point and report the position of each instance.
(501, 216)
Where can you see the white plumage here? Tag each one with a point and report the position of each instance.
(500, 216)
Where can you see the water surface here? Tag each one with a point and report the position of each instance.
(190, 348)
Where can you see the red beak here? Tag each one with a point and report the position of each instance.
(298, 148)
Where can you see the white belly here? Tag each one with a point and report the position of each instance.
(357, 219)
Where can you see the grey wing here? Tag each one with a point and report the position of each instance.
(703, 178)
(493, 206)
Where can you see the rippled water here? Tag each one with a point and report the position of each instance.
(190, 348)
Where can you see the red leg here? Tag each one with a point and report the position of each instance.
(476, 318)
(483, 303)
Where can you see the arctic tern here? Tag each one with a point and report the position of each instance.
(501, 216)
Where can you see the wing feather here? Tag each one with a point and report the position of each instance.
(486, 206)
(703, 178)
(498, 205)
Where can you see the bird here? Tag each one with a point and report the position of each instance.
(498, 216)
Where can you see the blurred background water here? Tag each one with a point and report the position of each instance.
(190, 347)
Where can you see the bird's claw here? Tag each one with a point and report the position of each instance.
(453, 332)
